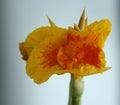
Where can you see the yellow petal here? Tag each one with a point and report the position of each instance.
(38, 35)
(41, 62)
(87, 70)
(97, 32)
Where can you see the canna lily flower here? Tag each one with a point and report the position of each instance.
(53, 50)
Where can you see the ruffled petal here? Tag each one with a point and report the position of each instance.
(97, 32)
(38, 35)
(42, 62)
(87, 70)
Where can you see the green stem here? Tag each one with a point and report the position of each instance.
(75, 91)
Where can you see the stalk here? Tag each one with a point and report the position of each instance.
(75, 90)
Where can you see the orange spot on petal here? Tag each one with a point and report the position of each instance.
(64, 60)
(88, 55)
(50, 55)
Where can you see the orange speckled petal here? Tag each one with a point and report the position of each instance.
(38, 35)
(97, 32)
(42, 62)
(37, 70)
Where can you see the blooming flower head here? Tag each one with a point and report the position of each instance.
(53, 50)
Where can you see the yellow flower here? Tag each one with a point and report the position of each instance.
(53, 50)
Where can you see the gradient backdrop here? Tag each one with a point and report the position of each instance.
(19, 17)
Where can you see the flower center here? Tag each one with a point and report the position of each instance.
(88, 55)
(78, 53)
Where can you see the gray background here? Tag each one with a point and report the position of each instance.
(19, 17)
